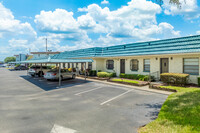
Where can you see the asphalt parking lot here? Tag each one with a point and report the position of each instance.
(34, 105)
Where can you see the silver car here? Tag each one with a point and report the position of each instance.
(54, 74)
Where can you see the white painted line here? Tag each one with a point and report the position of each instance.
(87, 91)
(60, 129)
(115, 97)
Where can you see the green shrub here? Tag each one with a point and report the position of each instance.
(17, 65)
(106, 74)
(135, 76)
(198, 81)
(92, 72)
(174, 78)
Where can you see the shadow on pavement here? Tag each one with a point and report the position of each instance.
(52, 85)
(153, 114)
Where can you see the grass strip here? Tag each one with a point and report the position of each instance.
(179, 114)
(125, 80)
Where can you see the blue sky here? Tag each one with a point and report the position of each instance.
(75, 24)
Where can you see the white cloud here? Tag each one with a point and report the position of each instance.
(137, 20)
(60, 21)
(84, 9)
(189, 9)
(198, 32)
(11, 26)
(86, 22)
(104, 2)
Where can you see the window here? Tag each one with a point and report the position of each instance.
(72, 65)
(134, 65)
(146, 65)
(90, 65)
(110, 64)
(68, 65)
(191, 66)
(76, 65)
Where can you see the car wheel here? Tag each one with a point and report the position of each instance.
(32, 75)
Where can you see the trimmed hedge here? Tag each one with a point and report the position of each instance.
(174, 78)
(135, 76)
(106, 74)
(198, 81)
(92, 72)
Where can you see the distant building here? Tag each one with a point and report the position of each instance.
(43, 55)
(21, 57)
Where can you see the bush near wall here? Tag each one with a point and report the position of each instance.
(175, 78)
(17, 65)
(106, 74)
(135, 76)
(198, 81)
(92, 73)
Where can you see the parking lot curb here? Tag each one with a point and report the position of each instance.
(143, 88)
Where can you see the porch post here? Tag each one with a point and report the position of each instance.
(27, 68)
(59, 75)
(41, 69)
(85, 70)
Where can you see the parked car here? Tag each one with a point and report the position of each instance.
(54, 74)
(2, 65)
(20, 68)
(38, 70)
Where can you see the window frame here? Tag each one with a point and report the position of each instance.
(90, 65)
(190, 65)
(146, 64)
(108, 65)
(131, 64)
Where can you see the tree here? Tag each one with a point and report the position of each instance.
(9, 59)
(29, 57)
(176, 2)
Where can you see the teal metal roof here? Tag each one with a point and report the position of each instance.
(16, 62)
(190, 44)
(58, 61)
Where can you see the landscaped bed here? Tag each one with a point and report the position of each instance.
(161, 87)
(129, 82)
(179, 114)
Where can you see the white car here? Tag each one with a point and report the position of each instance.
(54, 74)
(37, 70)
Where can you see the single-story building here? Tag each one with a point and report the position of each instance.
(177, 55)
(43, 55)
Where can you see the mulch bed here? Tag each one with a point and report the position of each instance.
(157, 86)
(93, 77)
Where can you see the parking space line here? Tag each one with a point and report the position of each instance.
(115, 97)
(87, 91)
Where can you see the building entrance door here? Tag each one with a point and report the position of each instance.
(122, 65)
(164, 65)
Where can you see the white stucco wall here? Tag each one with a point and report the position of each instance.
(175, 64)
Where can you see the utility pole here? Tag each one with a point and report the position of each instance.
(46, 45)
